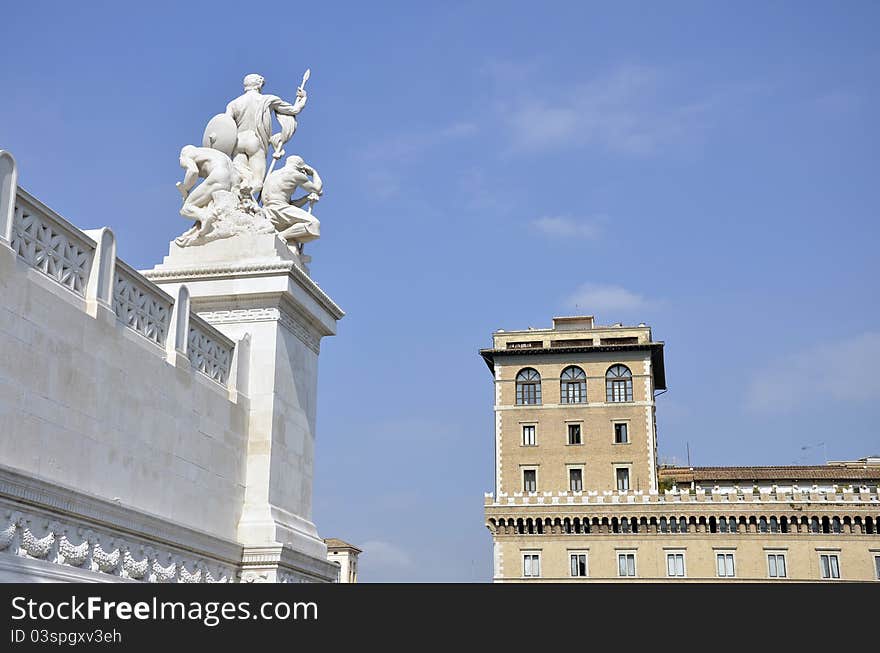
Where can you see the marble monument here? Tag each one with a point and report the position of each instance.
(160, 425)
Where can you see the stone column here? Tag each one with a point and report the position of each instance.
(8, 191)
(254, 284)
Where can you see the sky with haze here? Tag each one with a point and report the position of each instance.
(708, 168)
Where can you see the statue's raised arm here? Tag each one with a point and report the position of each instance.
(286, 115)
(252, 112)
(237, 194)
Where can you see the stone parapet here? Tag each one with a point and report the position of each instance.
(861, 495)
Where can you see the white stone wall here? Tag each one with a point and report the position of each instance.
(90, 403)
(188, 407)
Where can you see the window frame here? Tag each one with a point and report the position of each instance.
(523, 470)
(635, 569)
(625, 425)
(622, 375)
(531, 554)
(580, 470)
(777, 555)
(580, 432)
(577, 377)
(623, 468)
(677, 552)
(534, 428)
(831, 555)
(586, 555)
(528, 376)
(724, 553)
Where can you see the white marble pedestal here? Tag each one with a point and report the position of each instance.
(255, 285)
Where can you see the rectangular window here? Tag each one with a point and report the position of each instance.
(725, 565)
(829, 565)
(576, 480)
(621, 433)
(877, 566)
(675, 564)
(573, 393)
(626, 564)
(618, 390)
(531, 565)
(776, 565)
(578, 564)
(528, 394)
(530, 480)
(574, 433)
(622, 478)
(528, 435)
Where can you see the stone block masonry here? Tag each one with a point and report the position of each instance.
(138, 443)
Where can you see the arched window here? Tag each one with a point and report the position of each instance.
(762, 525)
(722, 525)
(573, 386)
(618, 384)
(664, 525)
(528, 387)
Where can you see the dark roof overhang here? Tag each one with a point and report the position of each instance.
(656, 349)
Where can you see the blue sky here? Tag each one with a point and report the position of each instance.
(708, 169)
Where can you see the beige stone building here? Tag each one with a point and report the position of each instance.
(345, 555)
(579, 495)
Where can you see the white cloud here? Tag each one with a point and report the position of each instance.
(388, 157)
(598, 298)
(564, 227)
(405, 146)
(632, 110)
(384, 555)
(844, 370)
(383, 182)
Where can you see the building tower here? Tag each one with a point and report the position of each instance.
(579, 495)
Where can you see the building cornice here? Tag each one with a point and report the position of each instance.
(252, 269)
(656, 348)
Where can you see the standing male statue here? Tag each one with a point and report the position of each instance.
(252, 112)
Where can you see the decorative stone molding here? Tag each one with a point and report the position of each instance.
(498, 448)
(255, 269)
(34, 536)
(42, 521)
(685, 496)
(57, 249)
(209, 352)
(49, 247)
(307, 336)
(268, 564)
(649, 426)
(143, 309)
(220, 271)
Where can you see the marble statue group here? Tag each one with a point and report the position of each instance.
(236, 193)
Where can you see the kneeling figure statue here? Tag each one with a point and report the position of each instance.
(295, 225)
